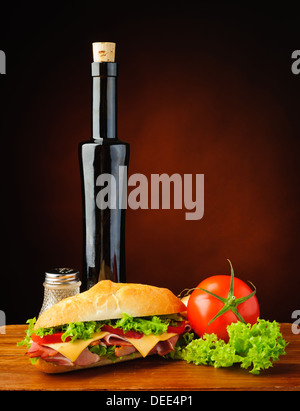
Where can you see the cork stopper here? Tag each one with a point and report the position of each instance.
(104, 52)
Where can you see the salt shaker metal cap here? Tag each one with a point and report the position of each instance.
(59, 283)
(61, 276)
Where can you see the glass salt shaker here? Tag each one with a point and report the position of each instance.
(59, 283)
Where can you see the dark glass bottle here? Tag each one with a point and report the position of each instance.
(103, 155)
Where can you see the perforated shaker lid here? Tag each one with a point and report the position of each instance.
(60, 276)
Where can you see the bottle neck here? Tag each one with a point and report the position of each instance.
(104, 100)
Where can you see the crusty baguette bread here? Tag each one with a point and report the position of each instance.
(52, 368)
(107, 300)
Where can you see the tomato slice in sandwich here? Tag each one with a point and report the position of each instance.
(179, 329)
(49, 339)
(119, 331)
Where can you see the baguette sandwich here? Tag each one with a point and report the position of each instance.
(109, 323)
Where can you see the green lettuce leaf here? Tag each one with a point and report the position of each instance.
(108, 351)
(80, 330)
(256, 346)
(209, 350)
(28, 332)
(147, 325)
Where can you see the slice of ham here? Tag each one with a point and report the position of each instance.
(50, 355)
(37, 350)
(164, 347)
(47, 354)
(34, 347)
(114, 339)
(59, 359)
(86, 358)
(187, 328)
(124, 350)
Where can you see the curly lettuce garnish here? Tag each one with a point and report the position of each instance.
(256, 346)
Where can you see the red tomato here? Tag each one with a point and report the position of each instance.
(203, 307)
(49, 339)
(179, 329)
(119, 331)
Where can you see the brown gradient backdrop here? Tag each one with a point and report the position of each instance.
(206, 90)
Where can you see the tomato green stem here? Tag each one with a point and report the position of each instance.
(230, 302)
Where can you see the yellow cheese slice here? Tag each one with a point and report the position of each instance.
(73, 350)
(145, 344)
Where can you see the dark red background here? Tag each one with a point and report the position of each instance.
(205, 89)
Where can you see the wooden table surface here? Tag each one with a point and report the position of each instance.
(150, 374)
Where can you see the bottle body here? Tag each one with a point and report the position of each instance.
(103, 224)
(103, 160)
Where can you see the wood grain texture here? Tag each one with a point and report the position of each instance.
(154, 373)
